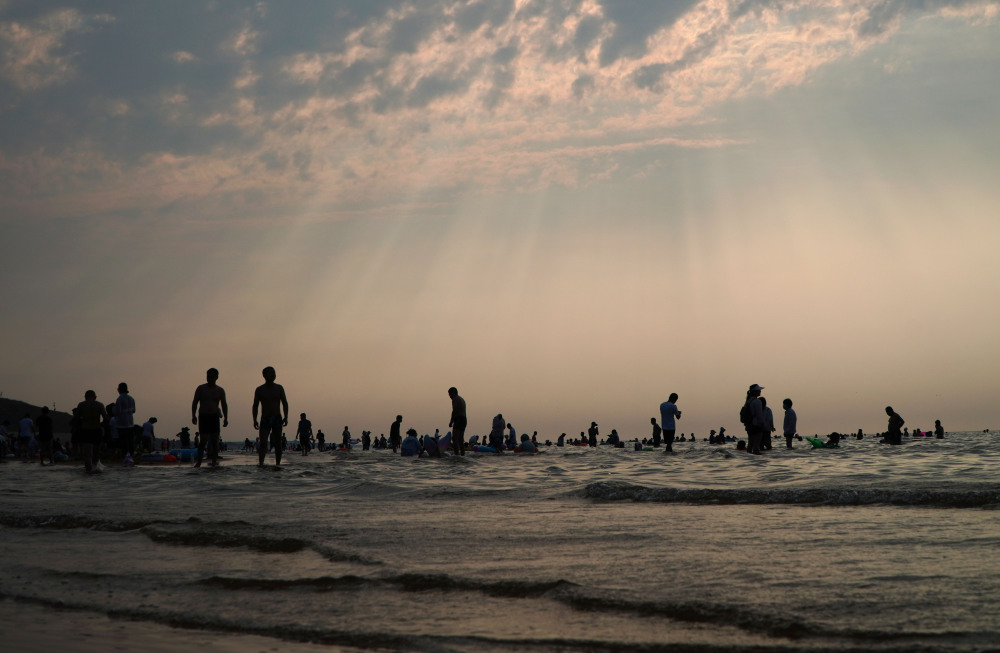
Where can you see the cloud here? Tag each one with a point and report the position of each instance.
(349, 103)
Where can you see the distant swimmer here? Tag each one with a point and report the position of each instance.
(790, 424)
(459, 420)
(304, 433)
(894, 434)
(210, 412)
(269, 397)
(657, 431)
(938, 430)
(668, 412)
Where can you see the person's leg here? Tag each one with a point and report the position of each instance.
(262, 439)
(87, 456)
(668, 438)
(276, 440)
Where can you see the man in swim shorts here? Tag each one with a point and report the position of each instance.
(92, 416)
(304, 433)
(459, 420)
(211, 408)
(268, 398)
(668, 412)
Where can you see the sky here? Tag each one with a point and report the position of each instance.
(568, 209)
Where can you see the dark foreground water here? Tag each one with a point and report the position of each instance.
(869, 547)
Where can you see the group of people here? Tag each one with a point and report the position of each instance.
(93, 423)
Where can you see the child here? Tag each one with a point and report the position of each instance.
(791, 422)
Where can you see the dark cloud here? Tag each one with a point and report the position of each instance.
(581, 85)
(634, 21)
(432, 87)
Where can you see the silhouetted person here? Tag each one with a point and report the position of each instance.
(269, 397)
(668, 411)
(345, 439)
(496, 432)
(124, 412)
(894, 434)
(459, 420)
(938, 430)
(755, 423)
(768, 424)
(304, 433)
(210, 412)
(592, 434)
(656, 431)
(366, 440)
(394, 438)
(790, 424)
(92, 417)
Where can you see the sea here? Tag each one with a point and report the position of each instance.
(867, 547)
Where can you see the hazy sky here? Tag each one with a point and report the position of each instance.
(566, 208)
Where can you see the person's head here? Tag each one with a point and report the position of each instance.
(673, 397)
(741, 445)
(212, 375)
(123, 388)
(652, 420)
(90, 395)
(509, 426)
(786, 404)
(524, 437)
(45, 411)
(937, 422)
(269, 374)
(412, 432)
(888, 410)
(754, 390)
(152, 420)
(302, 415)
(453, 392)
(399, 418)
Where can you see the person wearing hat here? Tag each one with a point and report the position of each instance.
(755, 419)
(185, 437)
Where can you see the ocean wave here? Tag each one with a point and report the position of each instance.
(407, 582)
(385, 640)
(944, 498)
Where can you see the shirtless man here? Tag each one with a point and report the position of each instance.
(205, 414)
(268, 397)
(459, 421)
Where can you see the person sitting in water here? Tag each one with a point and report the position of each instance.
(638, 445)
(613, 439)
(561, 440)
(938, 430)
(527, 446)
(741, 445)
(410, 445)
(834, 440)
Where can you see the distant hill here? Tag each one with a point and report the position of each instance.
(12, 411)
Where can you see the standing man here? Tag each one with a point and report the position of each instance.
(207, 407)
(668, 411)
(304, 433)
(123, 413)
(592, 434)
(268, 398)
(27, 431)
(92, 416)
(148, 436)
(394, 438)
(459, 420)
(44, 425)
(896, 422)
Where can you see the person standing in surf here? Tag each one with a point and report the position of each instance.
(209, 412)
(92, 417)
(459, 420)
(894, 436)
(668, 411)
(268, 398)
(304, 433)
(752, 416)
(790, 424)
(657, 431)
(123, 412)
(395, 440)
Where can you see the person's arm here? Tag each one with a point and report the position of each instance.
(284, 406)
(194, 407)
(225, 407)
(256, 403)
